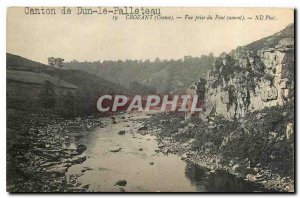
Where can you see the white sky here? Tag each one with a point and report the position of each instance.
(97, 37)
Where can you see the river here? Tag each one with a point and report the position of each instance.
(136, 160)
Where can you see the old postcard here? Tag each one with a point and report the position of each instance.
(150, 99)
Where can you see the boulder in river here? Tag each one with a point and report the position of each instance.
(121, 183)
(86, 186)
(115, 150)
(161, 145)
(80, 149)
(121, 190)
(76, 160)
(235, 167)
(156, 150)
(121, 132)
(184, 156)
(57, 170)
(142, 128)
(254, 178)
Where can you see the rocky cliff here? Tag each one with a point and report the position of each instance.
(252, 77)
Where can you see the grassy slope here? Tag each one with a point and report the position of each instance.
(81, 79)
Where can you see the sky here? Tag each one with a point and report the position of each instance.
(98, 37)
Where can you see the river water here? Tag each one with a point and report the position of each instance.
(138, 162)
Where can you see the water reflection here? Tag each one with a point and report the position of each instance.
(218, 182)
(141, 166)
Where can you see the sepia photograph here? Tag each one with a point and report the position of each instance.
(150, 99)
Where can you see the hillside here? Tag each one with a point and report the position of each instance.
(268, 42)
(83, 80)
(70, 93)
(153, 76)
(36, 78)
(20, 63)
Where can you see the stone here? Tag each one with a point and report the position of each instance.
(121, 183)
(181, 130)
(161, 145)
(283, 83)
(121, 132)
(184, 156)
(273, 135)
(80, 149)
(289, 130)
(269, 93)
(121, 190)
(289, 188)
(76, 160)
(115, 150)
(47, 164)
(164, 122)
(235, 166)
(57, 170)
(286, 42)
(142, 128)
(251, 178)
(258, 116)
(86, 186)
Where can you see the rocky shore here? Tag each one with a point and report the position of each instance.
(43, 150)
(178, 144)
(269, 180)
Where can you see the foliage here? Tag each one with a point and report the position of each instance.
(140, 88)
(58, 62)
(261, 138)
(47, 95)
(163, 75)
(68, 106)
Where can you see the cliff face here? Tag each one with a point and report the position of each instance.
(252, 77)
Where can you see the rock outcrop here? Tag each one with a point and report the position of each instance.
(252, 77)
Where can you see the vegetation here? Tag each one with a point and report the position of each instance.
(140, 88)
(57, 62)
(260, 137)
(89, 88)
(47, 95)
(161, 75)
(268, 42)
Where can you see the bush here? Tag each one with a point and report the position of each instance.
(47, 95)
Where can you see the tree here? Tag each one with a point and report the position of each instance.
(56, 62)
(68, 105)
(47, 95)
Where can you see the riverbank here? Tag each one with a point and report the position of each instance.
(177, 136)
(40, 150)
(120, 159)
